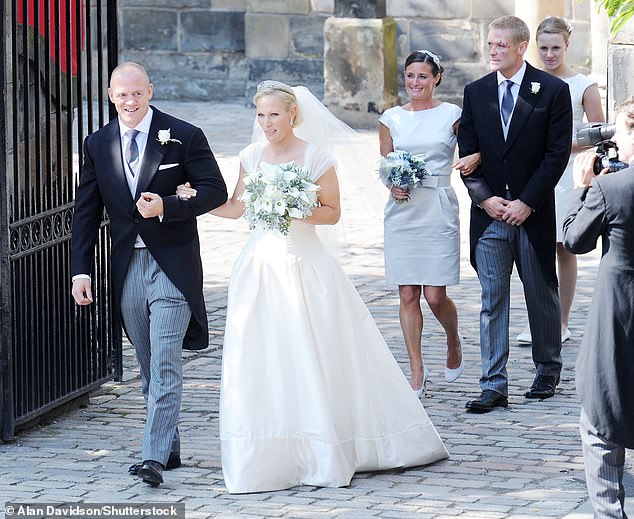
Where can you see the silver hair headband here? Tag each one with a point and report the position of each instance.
(569, 26)
(275, 85)
(433, 57)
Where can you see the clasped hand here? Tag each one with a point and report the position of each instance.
(150, 205)
(81, 291)
(513, 212)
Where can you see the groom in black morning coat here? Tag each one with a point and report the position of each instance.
(520, 121)
(131, 167)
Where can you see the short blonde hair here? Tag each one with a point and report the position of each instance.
(517, 27)
(284, 92)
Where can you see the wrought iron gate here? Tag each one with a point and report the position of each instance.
(57, 56)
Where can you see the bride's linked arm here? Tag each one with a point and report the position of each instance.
(329, 209)
(327, 213)
(232, 208)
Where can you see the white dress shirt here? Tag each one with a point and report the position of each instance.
(517, 81)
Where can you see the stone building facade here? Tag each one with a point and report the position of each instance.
(220, 49)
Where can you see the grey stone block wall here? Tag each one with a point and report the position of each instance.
(221, 49)
(218, 49)
(621, 64)
(211, 30)
(448, 9)
(192, 49)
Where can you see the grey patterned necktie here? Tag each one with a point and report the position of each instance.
(507, 102)
(132, 151)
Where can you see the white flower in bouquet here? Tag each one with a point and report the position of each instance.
(275, 193)
(402, 169)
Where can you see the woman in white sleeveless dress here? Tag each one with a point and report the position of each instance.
(552, 37)
(422, 233)
(310, 392)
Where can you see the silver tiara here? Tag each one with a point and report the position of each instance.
(275, 85)
(433, 57)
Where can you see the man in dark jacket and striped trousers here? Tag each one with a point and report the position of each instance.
(604, 206)
(131, 168)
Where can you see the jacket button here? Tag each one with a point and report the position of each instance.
(136, 220)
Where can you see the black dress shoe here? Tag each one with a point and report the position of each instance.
(543, 387)
(488, 401)
(173, 462)
(151, 472)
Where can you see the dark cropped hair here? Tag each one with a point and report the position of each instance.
(421, 56)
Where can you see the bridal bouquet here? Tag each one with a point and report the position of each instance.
(402, 169)
(275, 193)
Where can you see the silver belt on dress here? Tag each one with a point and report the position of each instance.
(436, 181)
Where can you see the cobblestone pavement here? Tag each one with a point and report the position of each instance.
(523, 462)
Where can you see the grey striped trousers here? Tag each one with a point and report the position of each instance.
(156, 315)
(604, 463)
(498, 248)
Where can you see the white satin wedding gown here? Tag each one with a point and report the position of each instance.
(310, 391)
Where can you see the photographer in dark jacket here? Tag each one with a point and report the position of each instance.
(603, 206)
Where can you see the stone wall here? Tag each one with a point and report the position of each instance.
(192, 49)
(220, 49)
(284, 41)
(620, 64)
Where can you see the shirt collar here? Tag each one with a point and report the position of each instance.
(517, 78)
(143, 126)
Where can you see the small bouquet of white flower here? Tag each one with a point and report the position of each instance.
(402, 169)
(275, 193)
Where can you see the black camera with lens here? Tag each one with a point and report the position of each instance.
(599, 135)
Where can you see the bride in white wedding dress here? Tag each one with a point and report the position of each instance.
(310, 392)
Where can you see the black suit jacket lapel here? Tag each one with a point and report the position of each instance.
(112, 137)
(524, 107)
(154, 152)
(492, 106)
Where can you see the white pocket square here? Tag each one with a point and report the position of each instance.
(167, 166)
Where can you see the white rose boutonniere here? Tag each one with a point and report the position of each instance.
(164, 137)
(535, 87)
